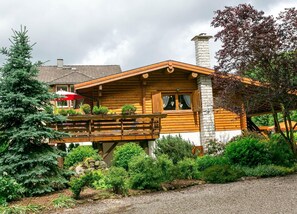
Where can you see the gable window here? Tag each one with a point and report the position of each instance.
(175, 101)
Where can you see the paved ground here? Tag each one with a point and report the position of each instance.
(271, 195)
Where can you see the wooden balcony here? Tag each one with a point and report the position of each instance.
(110, 128)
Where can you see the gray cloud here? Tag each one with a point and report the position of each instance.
(131, 33)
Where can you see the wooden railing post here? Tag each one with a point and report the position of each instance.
(122, 127)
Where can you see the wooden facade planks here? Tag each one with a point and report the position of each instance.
(134, 90)
(226, 120)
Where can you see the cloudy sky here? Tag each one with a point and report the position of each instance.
(131, 33)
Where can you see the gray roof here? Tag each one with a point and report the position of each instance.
(72, 74)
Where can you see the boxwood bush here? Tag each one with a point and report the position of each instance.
(117, 178)
(208, 161)
(279, 152)
(175, 147)
(187, 169)
(148, 173)
(78, 154)
(247, 151)
(221, 174)
(123, 154)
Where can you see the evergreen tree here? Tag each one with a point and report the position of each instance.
(25, 112)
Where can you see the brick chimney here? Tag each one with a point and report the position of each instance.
(207, 124)
(60, 63)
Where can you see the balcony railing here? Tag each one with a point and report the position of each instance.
(110, 128)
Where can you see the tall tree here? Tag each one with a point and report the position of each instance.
(263, 48)
(25, 112)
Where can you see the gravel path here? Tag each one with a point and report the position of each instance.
(271, 195)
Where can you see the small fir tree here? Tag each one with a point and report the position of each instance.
(25, 112)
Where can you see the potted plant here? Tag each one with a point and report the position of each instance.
(86, 108)
(62, 112)
(72, 112)
(128, 109)
(100, 110)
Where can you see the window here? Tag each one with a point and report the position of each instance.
(62, 103)
(176, 101)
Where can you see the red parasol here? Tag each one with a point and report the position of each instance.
(65, 95)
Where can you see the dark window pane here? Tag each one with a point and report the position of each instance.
(184, 101)
(168, 102)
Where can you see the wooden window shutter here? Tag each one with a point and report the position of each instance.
(196, 101)
(157, 102)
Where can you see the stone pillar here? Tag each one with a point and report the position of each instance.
(151, 148)
(207, 125)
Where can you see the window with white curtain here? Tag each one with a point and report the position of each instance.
(176, 101)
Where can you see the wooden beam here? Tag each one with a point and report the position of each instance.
(192, 76)
(100, 90)
(143, 87)
(110, 149)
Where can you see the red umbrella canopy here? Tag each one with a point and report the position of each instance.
(66, 95)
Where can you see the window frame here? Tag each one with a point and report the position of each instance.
(67, 101)
(176, 94)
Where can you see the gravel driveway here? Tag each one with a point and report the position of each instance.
(271, 195)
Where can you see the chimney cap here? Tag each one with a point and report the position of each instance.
(201, 36)
(60, 63)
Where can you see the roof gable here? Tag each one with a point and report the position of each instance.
(170, 64)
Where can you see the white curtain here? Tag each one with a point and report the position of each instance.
(187, 99)
(165, 101)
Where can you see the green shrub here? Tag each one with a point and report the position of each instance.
(247, 152)
(167, 167)
(78, 154)
(86, 108)
(117, 178)
(221, 174)
(63, 112)
(248, 134)
(9, 190)
(145, 173)
(187, 169)
(63, 201)
(267, 171)
(72, 112)
(214, 147)
(279, 151)
(86, 180)
(207, 161)
(100, 110)
(175, 147)
(123, 154)
(128, 109)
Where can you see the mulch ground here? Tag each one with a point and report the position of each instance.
(90, 195)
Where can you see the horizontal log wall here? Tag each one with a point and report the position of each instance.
(226, 120)
(119, 93)
(130, 90)
(176, 121)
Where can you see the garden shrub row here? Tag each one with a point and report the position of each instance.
(244, 156)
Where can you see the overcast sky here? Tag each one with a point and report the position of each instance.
(130, 33)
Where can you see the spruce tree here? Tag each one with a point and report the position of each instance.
(25, 113)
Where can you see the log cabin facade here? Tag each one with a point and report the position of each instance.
(169, 88)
